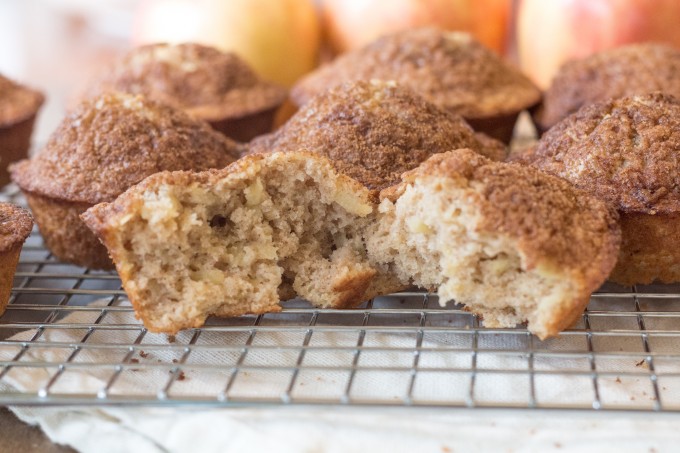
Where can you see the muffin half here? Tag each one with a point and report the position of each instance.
(15, 226)
(103, 147)
(19, 106)
(451, 70)
(210, 85)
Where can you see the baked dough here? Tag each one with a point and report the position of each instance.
(375, 131)
(509, 242)
(626, 152)
(450, 69)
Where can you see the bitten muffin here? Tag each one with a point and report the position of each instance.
(19, 106)
(625, 151)
(15, 226)
(509, 242)
(216, 87)
(625, 71)
(190, 245)
(452, 70)
(100, 149)
(375, 131)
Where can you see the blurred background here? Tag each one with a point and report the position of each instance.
(56, 45)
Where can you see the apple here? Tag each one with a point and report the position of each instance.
(280, 39)
(551, 32)
(349, 24)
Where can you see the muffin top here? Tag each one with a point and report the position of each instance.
(200, 80)
(374, 131)
(625, 151)
(17, 102)
(450, 69)
(549, 219)
(15, 226)
(109, 143)
(624, 71)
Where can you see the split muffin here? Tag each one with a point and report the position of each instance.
(210, 85)
(100, 149)
(509, 242)
(19, 106)
(451, 70)
(15, 226)
(624, 71)
(625, 151)
(375, 131)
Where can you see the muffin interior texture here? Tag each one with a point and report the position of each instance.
(430, 236)
(227, 248)
(239, 240)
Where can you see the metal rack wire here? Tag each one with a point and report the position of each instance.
(69, 336)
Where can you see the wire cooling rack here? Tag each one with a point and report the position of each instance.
(69, 336)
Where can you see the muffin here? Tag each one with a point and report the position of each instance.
(375, 131)
(509, 242)
(625, 151)
(625, 71)
(19, 106)
(452, 70)
(15, 226)
(100, 149)
(190, 245)
(216, 87)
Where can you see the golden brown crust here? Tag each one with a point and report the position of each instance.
(17, 102)
(450, 69)
(15, 140)
(624, 151)
(8, 266)
(553, 224)
(649, 249)
(625, 71)
(112, 142)
(375, 131)
(15, 226)
(65, 235)
(201, 80)
(19, 106)
(102, 148)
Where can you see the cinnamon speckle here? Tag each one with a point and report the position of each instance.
(375, 142)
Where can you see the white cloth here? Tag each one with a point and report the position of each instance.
(331, 429)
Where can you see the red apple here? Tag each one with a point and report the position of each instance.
(280, 39)
(350, 24)
(550, 32)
